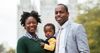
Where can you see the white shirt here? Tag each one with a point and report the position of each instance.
(60, 43)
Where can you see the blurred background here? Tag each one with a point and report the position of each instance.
(85, 12)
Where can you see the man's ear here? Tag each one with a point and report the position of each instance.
(68, 14)
(24, 27)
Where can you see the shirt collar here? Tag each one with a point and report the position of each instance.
(65, 25)
(30, 36)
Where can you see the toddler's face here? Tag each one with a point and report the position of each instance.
(49, 31)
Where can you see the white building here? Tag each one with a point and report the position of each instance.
(46, 10)
(24, 5)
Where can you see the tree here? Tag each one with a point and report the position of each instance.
(1, 48)
(11, 50)
(90, 18)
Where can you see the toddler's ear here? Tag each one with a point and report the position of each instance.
(24, 27)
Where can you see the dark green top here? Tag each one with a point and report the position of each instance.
(27, 45)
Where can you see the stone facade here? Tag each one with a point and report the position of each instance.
(46, 10)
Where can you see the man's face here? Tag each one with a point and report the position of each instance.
(61, 15)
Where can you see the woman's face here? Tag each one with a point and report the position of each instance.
(31, 24)
(49, 32)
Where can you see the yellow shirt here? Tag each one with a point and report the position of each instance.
(51, 45)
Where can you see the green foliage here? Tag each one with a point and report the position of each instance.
(1, 48)
(91, 21)
(11, 50)
(5, 50)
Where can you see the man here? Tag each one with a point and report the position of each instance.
(71, 37)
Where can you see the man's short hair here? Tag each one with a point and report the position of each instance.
(66, 8)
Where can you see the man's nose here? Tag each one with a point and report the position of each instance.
(58, 14)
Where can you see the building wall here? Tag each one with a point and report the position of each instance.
(25, 5)
(46, 10)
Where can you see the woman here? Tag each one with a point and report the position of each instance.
(29, 43)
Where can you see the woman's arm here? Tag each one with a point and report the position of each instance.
(21, 46)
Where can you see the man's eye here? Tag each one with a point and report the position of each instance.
(56, 12)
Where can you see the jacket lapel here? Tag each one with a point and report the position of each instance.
(67, 34)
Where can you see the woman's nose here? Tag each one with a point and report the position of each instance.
(31, 24)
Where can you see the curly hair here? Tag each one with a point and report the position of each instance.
(25, 15)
